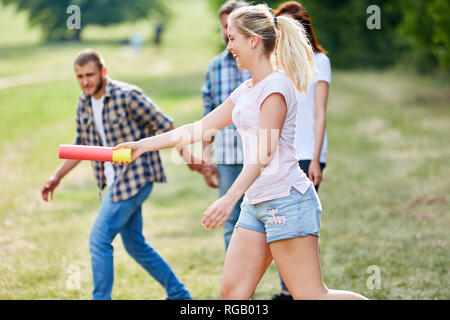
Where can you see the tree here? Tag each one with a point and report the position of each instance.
(341, 29)
(411, 30)
(51, 15)
(425, 26)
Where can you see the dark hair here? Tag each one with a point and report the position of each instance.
(87, 55)
(231, 5)
(299, 13)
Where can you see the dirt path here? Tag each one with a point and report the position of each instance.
(29, 78)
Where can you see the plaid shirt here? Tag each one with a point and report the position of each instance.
(222, 78)
(128, 115)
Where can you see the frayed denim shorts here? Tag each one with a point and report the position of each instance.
(297, 215)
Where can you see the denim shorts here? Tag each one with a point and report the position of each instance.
(297, 215)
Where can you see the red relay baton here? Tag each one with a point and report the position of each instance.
(94, 153)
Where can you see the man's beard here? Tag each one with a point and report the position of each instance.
(98, 87)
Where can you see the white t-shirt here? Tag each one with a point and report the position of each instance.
(304, 137)
(97, 109)
(283, 171)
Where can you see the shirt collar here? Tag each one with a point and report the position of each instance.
(108, 87)
(107, 94)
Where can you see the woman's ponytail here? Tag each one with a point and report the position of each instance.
(294, 53)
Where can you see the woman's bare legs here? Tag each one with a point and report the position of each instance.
(298, 262)
(246, 261)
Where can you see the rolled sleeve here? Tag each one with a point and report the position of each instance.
(323, 68)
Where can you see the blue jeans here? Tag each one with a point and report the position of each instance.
(125, 217)
(227, 174)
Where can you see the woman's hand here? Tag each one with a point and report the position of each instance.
(136, 150)
(218, 213)
(315, 173)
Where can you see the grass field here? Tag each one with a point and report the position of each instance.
(385, 193)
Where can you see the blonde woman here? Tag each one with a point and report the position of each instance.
(280, 214)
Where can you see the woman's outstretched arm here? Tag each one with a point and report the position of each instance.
(214, 121)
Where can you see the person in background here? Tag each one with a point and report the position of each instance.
(311, 137)
(222, 77)
(158, 32)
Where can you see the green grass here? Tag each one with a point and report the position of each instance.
(385, 193)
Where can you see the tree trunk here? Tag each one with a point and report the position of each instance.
(77, 35)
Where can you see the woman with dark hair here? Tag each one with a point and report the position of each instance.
(311, 137)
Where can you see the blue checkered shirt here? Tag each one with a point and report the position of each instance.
(222, 78)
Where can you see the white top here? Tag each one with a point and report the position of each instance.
(97, 109)
(304, 138)
(283, 172)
